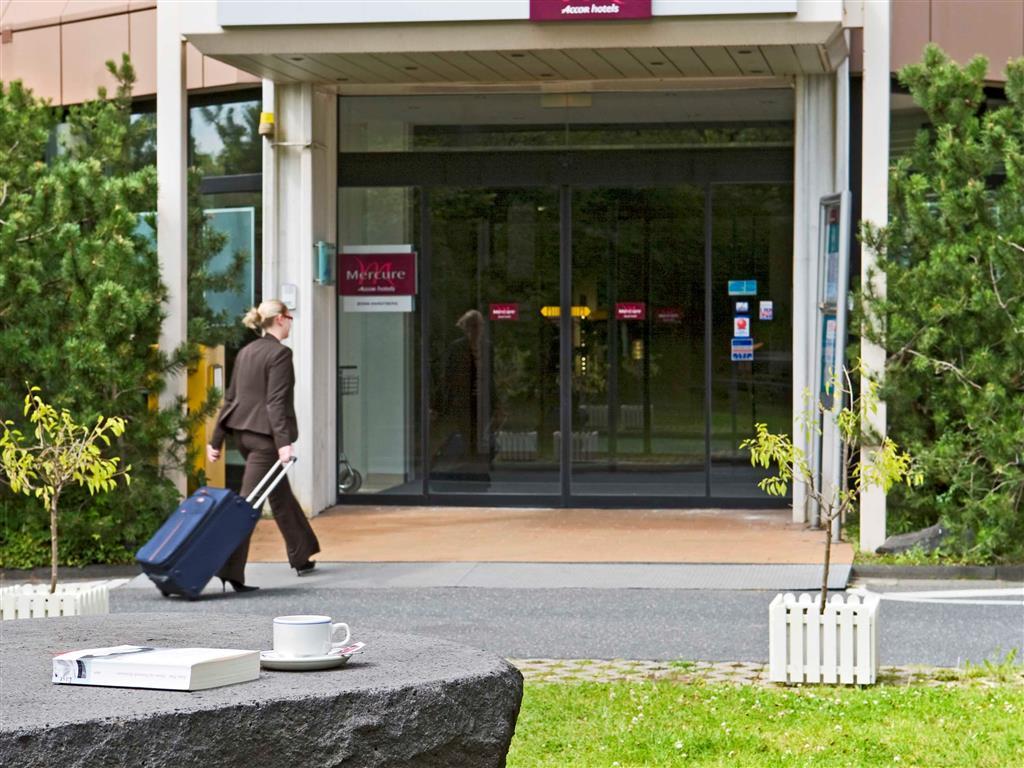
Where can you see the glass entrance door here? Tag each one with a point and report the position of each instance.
(494, 342)
(638, 367)
(575, 337)
(678, 302)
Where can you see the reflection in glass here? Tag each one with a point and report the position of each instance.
(224, 138)
(378, 356)
(638, 359)
(494, 355)
(237, 227)
(142, 139)
(234, 221)
(752, 240)
(658, 406)
(520, 121)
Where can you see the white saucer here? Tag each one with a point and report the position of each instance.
(274, 660)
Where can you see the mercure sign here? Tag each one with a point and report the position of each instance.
(377, 274)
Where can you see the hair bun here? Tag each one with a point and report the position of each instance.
(253, 319)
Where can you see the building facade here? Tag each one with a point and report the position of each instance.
(502, 223)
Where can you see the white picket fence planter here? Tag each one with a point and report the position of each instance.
(516, 446)
(630, 416)
(838, 646)
(584, 445)
(34, 601)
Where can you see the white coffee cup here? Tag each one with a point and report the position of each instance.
(307, 635)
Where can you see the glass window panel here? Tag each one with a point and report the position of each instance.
(639, 383)
(238, 215)
(680, 119)
(143, 139)
(238, 227)
(638, 343)
(493, 347)
(224, 138)
(378, 356)
(752, 240)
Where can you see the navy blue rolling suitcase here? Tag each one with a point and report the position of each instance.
(201, 535)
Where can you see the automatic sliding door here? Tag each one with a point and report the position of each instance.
(751, 339)
(493, 362)
(638, 372)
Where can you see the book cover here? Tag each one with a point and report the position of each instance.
(176, 669)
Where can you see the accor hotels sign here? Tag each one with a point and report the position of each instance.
(588, 10)
(245, 13)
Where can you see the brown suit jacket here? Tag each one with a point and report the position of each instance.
(261, 395)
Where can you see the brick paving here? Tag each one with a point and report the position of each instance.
(738, 673)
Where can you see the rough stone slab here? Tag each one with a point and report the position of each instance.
(927, 540)
(405, 701)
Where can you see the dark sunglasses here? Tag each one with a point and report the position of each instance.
(287, 316)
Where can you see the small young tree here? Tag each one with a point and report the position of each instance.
(60, 453)
(888, 466)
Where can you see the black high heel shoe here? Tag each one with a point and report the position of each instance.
(237, 586)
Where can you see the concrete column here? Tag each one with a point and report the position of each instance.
(874, 209)
(832, 454)
(842, 123)
(814, 177)
(172, 196)
(269, 191)
(304, 209)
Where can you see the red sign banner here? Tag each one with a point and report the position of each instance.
(588, 10)
(670, 315)
(504, 311)
(377, 274)
(630, 310)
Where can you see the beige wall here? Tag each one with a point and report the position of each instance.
(962, 28)
(59, 48)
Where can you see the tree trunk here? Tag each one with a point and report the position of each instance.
(828, 559)
(53, 542)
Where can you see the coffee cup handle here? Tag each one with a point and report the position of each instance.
(335, 628)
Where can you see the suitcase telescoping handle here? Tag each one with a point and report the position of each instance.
(273, 474)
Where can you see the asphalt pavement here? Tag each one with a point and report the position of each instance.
(533, 613)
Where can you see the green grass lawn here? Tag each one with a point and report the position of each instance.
(671, 723)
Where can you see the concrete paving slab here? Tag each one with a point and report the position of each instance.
(651, 576)
(538, 576)
(693, 624)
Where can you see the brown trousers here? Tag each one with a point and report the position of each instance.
(260, 455)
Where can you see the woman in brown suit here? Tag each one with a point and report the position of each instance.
(259, 410)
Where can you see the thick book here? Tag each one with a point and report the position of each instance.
(175, 669)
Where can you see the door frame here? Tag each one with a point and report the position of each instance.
(568, 169)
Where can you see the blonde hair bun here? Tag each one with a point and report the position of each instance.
(252, 319)
(262, 317)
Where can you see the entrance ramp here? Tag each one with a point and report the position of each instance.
(594, 548)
